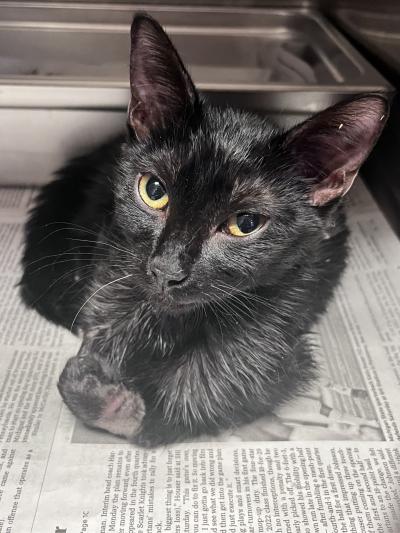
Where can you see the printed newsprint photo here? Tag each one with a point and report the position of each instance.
(326, 462)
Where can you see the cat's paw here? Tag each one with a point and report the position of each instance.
(90, 388)
(122, 413)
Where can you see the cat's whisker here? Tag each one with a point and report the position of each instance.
(94, 294)
(234, 296)
(232, 308)
(93, 249)
(228, 309)
(47, 257)
(278, 319)
(237, 303)
(55, 262)
(236, 292)
(60, 278)
(120, 322)
(75, 282)
(252, 296)
(123, 250)
(227, 312)
(65, 229)
(73, 225)
(210, 306)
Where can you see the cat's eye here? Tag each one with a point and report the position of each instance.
(152, 191)
(242, 224)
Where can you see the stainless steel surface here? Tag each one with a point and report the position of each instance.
(229, 50)
(75, 56)
(380, 31)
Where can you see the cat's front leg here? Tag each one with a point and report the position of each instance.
(155, 431)
(93, 391)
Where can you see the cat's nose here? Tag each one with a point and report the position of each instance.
(166, 274)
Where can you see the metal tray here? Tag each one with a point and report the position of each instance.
(64, 71)
(378, 31)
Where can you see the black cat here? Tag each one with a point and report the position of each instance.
(194, 253)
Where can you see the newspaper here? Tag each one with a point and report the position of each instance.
(328, 461)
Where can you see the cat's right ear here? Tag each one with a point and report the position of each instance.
(162, 92)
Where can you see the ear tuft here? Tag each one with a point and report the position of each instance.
(331, 146)
(162, 92)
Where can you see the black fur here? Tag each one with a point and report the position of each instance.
(229, 342)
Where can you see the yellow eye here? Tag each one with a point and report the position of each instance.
(152, 192)
(243, 224)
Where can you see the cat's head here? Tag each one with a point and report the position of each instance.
(210, 201)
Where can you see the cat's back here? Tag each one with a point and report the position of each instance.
(61, 232)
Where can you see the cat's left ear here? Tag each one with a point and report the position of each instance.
(162, 92)
(330, 147)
